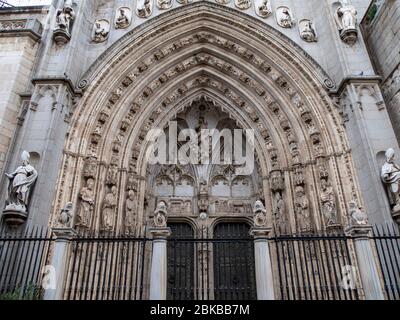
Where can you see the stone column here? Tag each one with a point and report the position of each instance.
(158, 276)
(264, 278)
(367, 264)
(59, 262)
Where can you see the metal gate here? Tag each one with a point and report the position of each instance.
(211, 268)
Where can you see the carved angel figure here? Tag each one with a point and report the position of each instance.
(260, 214)
(64, 18)
(160, 215)
(263, 8)
(391, 178)
(86, 205)
(21, 183)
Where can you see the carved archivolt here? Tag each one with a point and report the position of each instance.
(283, 96)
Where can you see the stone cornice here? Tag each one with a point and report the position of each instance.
(358, 80)
(21, 28)
(57, 80)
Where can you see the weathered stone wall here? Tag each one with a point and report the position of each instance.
(383, 38)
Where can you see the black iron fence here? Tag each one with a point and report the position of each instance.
(108, 268)
(315, 268)
(387, 242)
(22, 258)
(217, 267)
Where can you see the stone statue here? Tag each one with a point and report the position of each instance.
(346, 19)
(64, 18)
(302, 210)
(87, 205)
(160, 215)
(90, 168)
(263, 8)
(284, 17)
(21, 184)
(66, 216)
(123, 19)
(328, 200)
(279, 213)
(391, 177)
(260, 215)
(348, 15)
(109, 207)
(357, 214)
(101, 31)
(131, 207)
(164, 4)
(145, 9)
(307, 31)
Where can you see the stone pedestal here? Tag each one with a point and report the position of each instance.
(158, 276)
(59, 262)
(264, 278)
(367, 263)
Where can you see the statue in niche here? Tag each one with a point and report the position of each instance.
(302, 210)
(307, 31)
(101, 31)
(160, 215)
(260, 214)
(144, 9)
(357, 214)
(86, 197)
(279, 213)
(131, 207)
(277, 181)
(64, 18)
(391, 178)
(346, 19)
(263, 8)
(109, 206)
(243, 4)
(284, 17)
(164, 4)
(90, 168)
(124, 18)
(328, 200)
(66, 216)
(21, 183)
(112, 175)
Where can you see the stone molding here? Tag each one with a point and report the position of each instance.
(21, 28)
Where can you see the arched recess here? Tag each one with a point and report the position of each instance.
(259, 77)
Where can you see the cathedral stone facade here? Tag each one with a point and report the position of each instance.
(84, 82)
